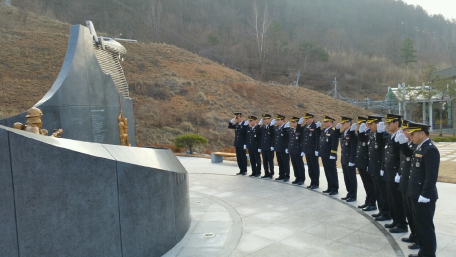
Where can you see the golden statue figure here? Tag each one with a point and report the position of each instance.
(123, 127)
(34, 124)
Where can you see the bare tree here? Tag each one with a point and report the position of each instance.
(155, 17)
(260, 23)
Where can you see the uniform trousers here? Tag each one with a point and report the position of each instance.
(255, 161)
(241, 158)
(351, 184)
(331, 173)
(408, 208)
(380, 192)
(369, 187)
(268, 162)
(396, 204)
(313, 168)
(298, 166)
(283, 159)
(424, 214)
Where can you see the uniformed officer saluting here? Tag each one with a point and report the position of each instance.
(240, 128)
(329, 141)
(376, 158)
(310, 140)
(280, 147)
(253, 144)
(348, 145)
(362, 162)
(407, 148)
(295, 150)
(267, 148)
(422, 186)
(391, 170)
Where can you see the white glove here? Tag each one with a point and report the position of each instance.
(318, 124)
(245, 147)
(338, 126)
(362, 128)
(286, 151)
(232, 120)
(316, 153)
(423, 199)
(246, 123)
(287, 125)
(401, 139)
(332, 157)
(302, 154)
(272, 148)
(382, 172)
(353, 127)
(381, 127)
(273, 122)
(397, 179)
(301, 120)
(259, 150)
(351, 164)
(261, 122)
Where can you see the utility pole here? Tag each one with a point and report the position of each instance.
(297, 80)
(335, 87)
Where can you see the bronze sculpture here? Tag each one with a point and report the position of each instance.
(34, 124)
(123, 127)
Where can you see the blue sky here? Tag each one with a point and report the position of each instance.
(445, 7)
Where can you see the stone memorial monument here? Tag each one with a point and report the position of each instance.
(85, 194)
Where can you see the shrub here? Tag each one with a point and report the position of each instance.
(190, 141)
(444, 139)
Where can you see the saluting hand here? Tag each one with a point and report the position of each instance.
(353, 127)
(273, 122)
(261, 122)
(301, 120)
(401, 139)
(338, 126)
(362, 128)
(287, 125)
(246, 123)
(318, 124)
(381, 127)
(232, 120)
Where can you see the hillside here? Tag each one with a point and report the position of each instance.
(174, 91)
(357, 41)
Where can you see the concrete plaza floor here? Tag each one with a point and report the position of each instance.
(262, 217)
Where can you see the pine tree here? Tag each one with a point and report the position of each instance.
(408, 51)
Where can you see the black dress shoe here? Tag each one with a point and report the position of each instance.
(351, 200)
(244, 173)
(334, 193)
(240, 173)
(327, 191)
(309, 186)
(407, 240)
(280, 178)
(344, 198)
(286, 180)
(370, 208)
(265, 176)
(413, 255)
(252, 175)
(398, 230)
(376, 215)
(257, 175)
(314, 187)
(383, 218)
(391, 225)
(362, 206)
(414, 246)
(271, 177)
(295, 182)
(301, 182)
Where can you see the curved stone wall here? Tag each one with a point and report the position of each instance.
(62, 197)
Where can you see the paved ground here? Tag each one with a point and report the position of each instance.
(447, 151)
(258, 217)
